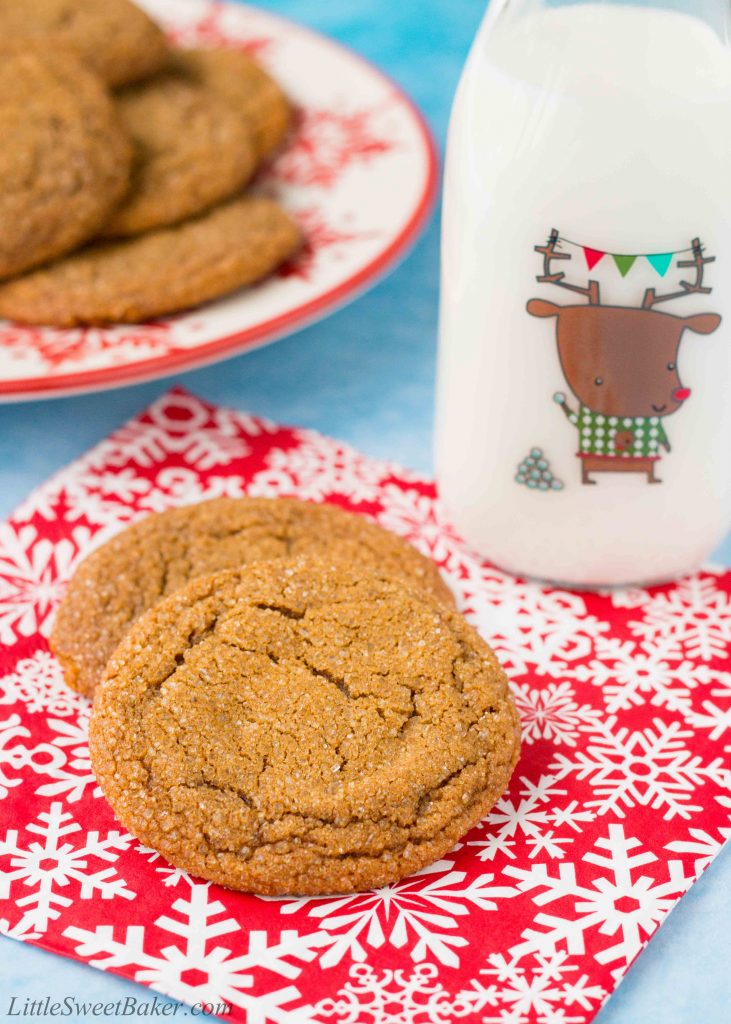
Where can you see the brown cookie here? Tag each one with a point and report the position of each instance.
(296, 727)
(159, 554)
(192, 151)
(242, 82)
(157, 274)
(113, 38)
(64, 158)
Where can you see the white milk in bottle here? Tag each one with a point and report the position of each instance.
(583, 427)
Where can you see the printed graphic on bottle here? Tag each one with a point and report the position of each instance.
(620, 362)
(535, 471)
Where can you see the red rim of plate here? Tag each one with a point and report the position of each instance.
(269, 330)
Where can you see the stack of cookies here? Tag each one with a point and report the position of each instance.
(123, 167)
(285, 699)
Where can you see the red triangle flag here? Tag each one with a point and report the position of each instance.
(592, 256)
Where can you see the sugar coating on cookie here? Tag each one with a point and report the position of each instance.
(192, 151)
(132, 571)
(159, 273)
(295, 727)
(243, 83)
(113, 38)
(64, 158)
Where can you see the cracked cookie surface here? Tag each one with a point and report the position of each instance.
(298, 727)
(146, 561)
(113, 38)
(64, 159)
(156, 274)
(191, 152)
(244, 84)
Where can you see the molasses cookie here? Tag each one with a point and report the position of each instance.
(159, 554)
(163, 272)
(243, 83)
(296, 727)
(192, 151)
(64, 158)
(113, 38)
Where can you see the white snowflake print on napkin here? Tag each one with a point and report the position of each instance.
(621, 797)
(58, 867)
(194, 967)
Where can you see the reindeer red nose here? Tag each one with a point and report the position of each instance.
(680, 394)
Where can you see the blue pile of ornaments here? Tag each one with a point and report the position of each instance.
(535, 472)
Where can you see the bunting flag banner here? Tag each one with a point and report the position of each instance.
(592, 256)
(659, 261)
(624, 264)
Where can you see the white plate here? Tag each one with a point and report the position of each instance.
(360, 176)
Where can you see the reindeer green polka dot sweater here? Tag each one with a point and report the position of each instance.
(617, 436)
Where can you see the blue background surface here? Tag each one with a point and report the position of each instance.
(365, 375)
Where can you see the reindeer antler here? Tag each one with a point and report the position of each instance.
(549, 253)
(686, 288)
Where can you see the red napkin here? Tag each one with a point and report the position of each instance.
(621, 797)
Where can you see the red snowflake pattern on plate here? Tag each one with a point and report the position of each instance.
(328, 142)
(621, 798)
(212, 31)
(56, 348)
(318, 235)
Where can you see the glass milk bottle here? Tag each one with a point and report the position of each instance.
(583, 428)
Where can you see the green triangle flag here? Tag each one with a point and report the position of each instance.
(661, 261)
(624, 263)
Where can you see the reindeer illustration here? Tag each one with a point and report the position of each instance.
(621, 364)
